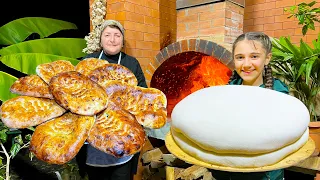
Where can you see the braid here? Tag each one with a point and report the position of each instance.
(234, 76)
(268, 77)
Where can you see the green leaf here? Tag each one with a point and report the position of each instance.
(68, 47)
(18, 30)
(15, 148)
(302, 4)
(280, 44)
(6, 80)
(312, 3)
(301, 71)
(317, 10)
(16, 131)
(304, 29)
(301, 18)
(311, 25)
(18, 139)
(292, 48)
(305, 49)
(27, 62)
(3, 135)
(292, 8)
(31, 128)
(309, 69)
(28, 137)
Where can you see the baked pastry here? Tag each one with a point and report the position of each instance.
(25, 111)
(77, 93)
(31, 85)
(149, 105)
(87, 65)
(59, 140)
(117, 132)
(108, 72)
(47, 70)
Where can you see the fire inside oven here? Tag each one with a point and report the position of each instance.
(187, 72)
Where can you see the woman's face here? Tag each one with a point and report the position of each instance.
(250, 58)
(111, 40)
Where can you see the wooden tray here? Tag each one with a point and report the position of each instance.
(303, 153)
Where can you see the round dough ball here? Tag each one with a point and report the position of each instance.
(240, 119)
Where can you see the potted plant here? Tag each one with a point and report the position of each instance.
(299, 65)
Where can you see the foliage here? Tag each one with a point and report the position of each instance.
(17, 143)
(23, 55)
(299, 66)
(305, 15)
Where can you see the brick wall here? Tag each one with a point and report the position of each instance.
(140, 19)
(220, 22)
(268, 16)
(168, 22)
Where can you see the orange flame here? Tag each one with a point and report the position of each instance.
(210, 72)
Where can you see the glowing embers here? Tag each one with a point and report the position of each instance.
(187, 72)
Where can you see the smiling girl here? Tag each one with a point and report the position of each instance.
(251, 55)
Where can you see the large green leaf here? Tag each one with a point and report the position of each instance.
(68, 47)
(309, 67)
(6, 80)
(18, 30)
(27, 62)
(293, 48)
(305, 49)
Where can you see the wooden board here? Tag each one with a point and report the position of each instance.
(291, 160)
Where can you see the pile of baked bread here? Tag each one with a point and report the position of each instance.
(92, 101)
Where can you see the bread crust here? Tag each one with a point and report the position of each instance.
(89, 64)
(77, 93)
(59, 140)
(31, 85)
(25, 111)
(47, 70)
(117, 132)
(149, 105)
(109, 72)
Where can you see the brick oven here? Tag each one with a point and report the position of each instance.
(189, 65)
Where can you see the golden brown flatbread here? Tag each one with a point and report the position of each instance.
(108, 72)
(59, 140)
(31, 85)
(77, 93)
(87, 65)
(25, 111)
(149, 105)
(47, 70)
(117, 132)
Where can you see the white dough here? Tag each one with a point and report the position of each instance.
(238, 160)
(240, 119)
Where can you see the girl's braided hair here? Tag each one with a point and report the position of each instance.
(266, 44)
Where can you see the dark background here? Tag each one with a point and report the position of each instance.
(75, 11)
